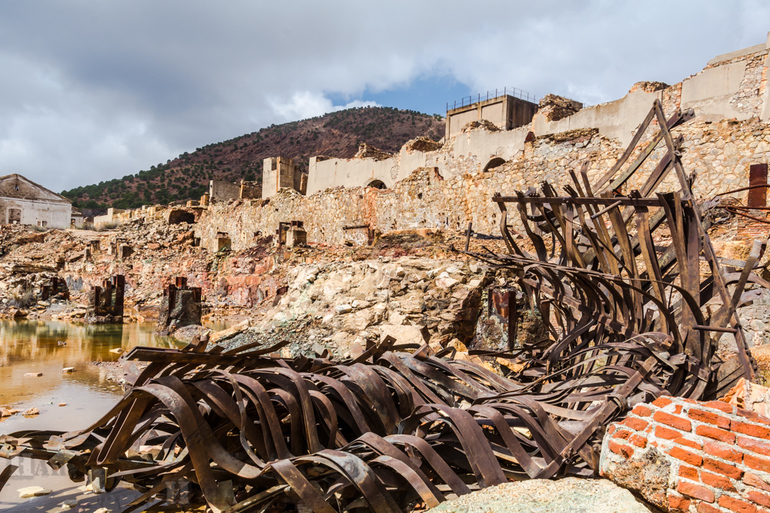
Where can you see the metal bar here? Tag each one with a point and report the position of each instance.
(713, 328)
(561, 200)
(468, 236)
(605, 210)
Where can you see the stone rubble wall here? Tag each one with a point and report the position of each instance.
(718, 153)
(684, 455)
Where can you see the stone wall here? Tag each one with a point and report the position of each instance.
(719, 153)
(682, 455)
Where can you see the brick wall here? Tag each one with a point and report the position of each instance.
(684, 455)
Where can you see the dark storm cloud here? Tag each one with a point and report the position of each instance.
(96, 90)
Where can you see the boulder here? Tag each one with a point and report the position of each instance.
(568, 495)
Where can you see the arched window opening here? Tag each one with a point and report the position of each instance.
(377, 184)
(496, 161)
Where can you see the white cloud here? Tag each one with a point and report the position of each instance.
(308, 104)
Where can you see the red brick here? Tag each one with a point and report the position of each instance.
(689, 473)
(725, 469)
(638, 441)
(736, 505)
(717, 481)
(679, 423)
(720, 405)
(723, 451)
(611, 429)
(754, 445)
(688, 443)
(678, 503)
(668, 434)
(756, 481)
(695, 491)
(622, 434)
(756, 463)
(635, 424)
(705, 507)
(641, 410)
(759, 498)
(662, 402)
(709, 417)
(750, 429)
(677, 409)
(621, 449)
(686, 456)
(715, 433)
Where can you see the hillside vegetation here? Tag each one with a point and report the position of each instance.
(337, 134)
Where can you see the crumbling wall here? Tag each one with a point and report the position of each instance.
(719, 154)
(355, 172)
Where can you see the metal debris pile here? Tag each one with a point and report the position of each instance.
(628, 319)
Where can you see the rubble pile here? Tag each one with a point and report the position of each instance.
(555, 107)
(362, 302)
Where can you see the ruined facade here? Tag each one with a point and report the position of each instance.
(279, 173)
(221, 190)
(22, 201)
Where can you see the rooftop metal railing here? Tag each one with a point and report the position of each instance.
(491, 95)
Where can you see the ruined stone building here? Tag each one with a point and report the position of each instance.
(22, 201)
(503, 110)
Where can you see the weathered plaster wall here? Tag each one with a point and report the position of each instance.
(220, 190)
(34, 212)
(113, 215)
(355, 172)
(504, 111)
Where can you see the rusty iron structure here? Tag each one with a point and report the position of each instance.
(596, 270)
(56, 287)
(629, 317)
(181, 306)
(108, 298)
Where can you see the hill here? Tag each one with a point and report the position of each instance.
(336, 134)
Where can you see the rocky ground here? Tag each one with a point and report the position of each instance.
(354, 295)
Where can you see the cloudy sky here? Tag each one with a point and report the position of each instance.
(92, 90)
